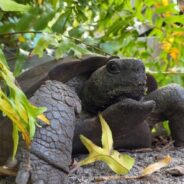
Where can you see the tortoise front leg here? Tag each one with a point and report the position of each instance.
(50, 155)
(126, 120)
(169, 106)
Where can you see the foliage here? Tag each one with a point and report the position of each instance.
(16, 106)
(9, 5)
(109, 27)
(119, 163)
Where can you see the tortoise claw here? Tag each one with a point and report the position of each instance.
(39, 182)
(22, 177)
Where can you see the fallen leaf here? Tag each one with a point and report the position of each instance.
(4, 171)
(156, 166)
(119, 163)
(147, 171)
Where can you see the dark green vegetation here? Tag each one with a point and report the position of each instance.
(148, 30)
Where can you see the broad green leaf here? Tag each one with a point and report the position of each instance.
(43, 20)
(60, 24)
(77, 32)
(9, 5)
(25, 21)
(119, 163)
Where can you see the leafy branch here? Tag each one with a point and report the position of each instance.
(17, 107)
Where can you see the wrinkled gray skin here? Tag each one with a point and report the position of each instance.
(169, 106)
(117, 90)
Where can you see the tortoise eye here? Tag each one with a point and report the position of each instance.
(113, 67)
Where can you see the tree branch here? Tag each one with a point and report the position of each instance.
(40, 32)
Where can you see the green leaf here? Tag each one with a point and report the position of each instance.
(15, 140)
(77, 32)
(175, 19)
(6, 27)
(60, 24)
(25, 22)
(22, 56)
(2, 58)
(42, 44)
(119, 163)
(167, 128)
(111, 46)
(43, 20)
(54, 3)
(61, 49)
(9, 5)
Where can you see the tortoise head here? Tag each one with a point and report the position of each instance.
(119, 78)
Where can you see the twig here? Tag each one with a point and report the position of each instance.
(168, 73)
(167, 146)
(74, 167)
(69, 37)
(136, 150)
(20, 32)
(96, 48)
(106, 178)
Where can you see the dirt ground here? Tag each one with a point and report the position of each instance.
(87, 174)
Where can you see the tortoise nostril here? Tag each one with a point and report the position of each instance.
(141, 83)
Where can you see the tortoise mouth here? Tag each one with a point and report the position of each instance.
(135, 92)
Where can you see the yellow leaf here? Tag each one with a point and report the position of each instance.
(178, 33)
(40, 2)
(166, 46)
(174, 53)
(165, 2)
(43, 118)
(21, 110)
(157, 5)
(91, 147)
(167, 14)
(156, 166)
(107, 141)
(21, 39)
(119, 163)
(12, 114)
(17, 107)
